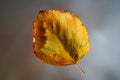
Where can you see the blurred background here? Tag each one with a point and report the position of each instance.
(17, 62)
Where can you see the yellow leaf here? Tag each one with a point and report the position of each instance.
(60, 38)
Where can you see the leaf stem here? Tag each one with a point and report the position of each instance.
(80, 69)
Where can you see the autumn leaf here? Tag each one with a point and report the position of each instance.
(60, 38)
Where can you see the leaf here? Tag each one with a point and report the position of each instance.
(60, 38)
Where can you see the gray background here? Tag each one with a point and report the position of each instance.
(17, 62)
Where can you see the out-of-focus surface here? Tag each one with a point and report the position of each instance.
(17, 62)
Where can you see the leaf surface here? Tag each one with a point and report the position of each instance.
(60, 38)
